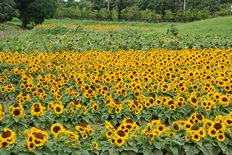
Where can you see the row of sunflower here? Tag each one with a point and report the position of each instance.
(85, 99)
(195, 128)
(97, 27)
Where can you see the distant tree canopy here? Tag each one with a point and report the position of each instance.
(35, 10)
(7, 10)
(145, 10)
(132, 10)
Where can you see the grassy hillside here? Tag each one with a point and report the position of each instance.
(220, 25)
(126, 35)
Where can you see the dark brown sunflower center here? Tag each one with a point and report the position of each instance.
(217, 126)
(176, 126)
(37, 109)
(224, 99)
(58, 109)
(119, 141)
(121, 133)
(16, 112)
(39, 135)
(6, 134)
(193, 100)
(196, 136)
(129, 121)
(199, 116)
(56, 129)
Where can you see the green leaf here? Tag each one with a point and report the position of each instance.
(159, 144)
(113, 151)
(223, 147)
(128, 153)
(4, 152)
(131, 148)
(147, 149)
(175, 150)
(37, 152)
(85, 152)
(206, 148)
(157, 152)
(76, 152)
(229, 151)
(191, 149)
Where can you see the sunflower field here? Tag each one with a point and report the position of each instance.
(157, 101)
(106, 37)
(114, 89)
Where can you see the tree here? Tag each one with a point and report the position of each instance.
(130, 13)
(104, 13)
(35, 10)
(114, 14)
(147, 15)
(168, 16)
(85, 4)
(7, 10)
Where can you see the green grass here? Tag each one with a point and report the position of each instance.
(210, 33)
(220, 25)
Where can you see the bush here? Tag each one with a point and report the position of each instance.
(7, 10)
(168, 16)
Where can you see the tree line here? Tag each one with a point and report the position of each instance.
(130, 10)
(143, 10)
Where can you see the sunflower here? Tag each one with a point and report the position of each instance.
(217, 126)
(176, 126)
(108, 125)
(224, 100)
(221, 137)
(121, 133)
(207, 124)
(57, 129)
(172, 107)
(74, 142)
(36, 137)
(188, 125)
(200, 118)
(109, 133)
(2, 112)
(119, 141)
(196, 137)
(58, 109)
(7, 137)
(187, 138)
(112, 141)
(228, 121)
(95, 145)
(212, 132)
(90, 131)
(202, 132)
(161, 128)
(31, 146)
(37, 109)
(84, 110)
(71, 134)
(17, 112)
(95, 107)
(85, 136)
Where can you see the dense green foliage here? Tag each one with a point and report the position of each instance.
(7, 10)
(75, 35)
(35, 10)
(143, 10)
